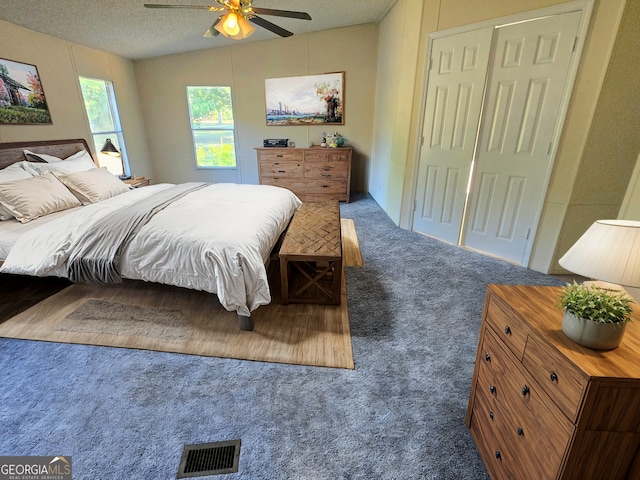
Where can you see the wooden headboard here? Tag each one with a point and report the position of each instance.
(12, 152)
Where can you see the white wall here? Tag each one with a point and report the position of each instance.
(59, 64)
(396, 108)
(162, 83)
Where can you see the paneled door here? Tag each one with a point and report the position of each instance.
(525, 88)
(454, 99)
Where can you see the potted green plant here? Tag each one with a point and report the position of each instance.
(594, 317)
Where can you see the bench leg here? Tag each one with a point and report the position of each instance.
(245, 323)
(337, 283)
(284, 279)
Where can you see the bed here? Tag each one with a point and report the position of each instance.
(70, 219)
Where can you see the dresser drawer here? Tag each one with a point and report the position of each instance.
(486, 429)
(336, 188)
(534, 427)
(296, 186)
(326, 171)
(280, 155)
(281, 168)
(512, 330)
(561, 380)
(515, 450)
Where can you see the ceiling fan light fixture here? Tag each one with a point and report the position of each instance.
(237, 22)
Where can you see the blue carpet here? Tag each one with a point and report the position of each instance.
(415, 310)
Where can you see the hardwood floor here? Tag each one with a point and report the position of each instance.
(17, 292)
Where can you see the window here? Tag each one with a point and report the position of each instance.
(211, 119)
(102, 111)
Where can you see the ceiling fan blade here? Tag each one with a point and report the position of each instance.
(282, 13)
(157, 5)
(272, 27)
(212, 32)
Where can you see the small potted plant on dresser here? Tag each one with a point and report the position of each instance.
(594, 317)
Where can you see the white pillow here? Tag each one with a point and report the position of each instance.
(78, 162)
(40, 157)
(10, 174)
(35, 197)
(15, 171)
(95, 185)
(77, 155)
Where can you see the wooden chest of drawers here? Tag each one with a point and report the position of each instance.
(313, 174)
(544, 407)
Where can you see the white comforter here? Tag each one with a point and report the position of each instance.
(216, 239)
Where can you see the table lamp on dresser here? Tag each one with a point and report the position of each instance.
(609, 253)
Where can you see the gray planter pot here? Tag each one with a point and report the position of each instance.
(599, 336)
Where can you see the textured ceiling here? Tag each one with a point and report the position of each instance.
(127, 29)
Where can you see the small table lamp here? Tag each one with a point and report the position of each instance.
(110, 149)
(608, 251)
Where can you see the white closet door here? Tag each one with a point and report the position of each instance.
(526, 84)
(454, 100)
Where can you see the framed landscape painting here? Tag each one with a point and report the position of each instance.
(308, 100)
(22, 100)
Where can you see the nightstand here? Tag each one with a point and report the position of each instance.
(542, 406)
(137, 182)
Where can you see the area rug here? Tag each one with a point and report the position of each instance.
(158, 317)
(170, 319)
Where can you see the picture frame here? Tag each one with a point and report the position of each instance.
(22, 99)
(305, 100)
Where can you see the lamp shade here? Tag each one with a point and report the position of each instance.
(110, 149)
(234, 26)
(246, 29)
(609, 251)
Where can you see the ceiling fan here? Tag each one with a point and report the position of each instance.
(240, 14)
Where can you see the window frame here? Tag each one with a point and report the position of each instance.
(116, 135)
(219, 130)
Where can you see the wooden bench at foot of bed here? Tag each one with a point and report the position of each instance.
(311, 255)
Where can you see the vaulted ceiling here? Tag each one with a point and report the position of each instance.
(128, 29)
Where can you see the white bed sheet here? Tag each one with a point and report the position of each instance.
(216, 239)
(10, 230)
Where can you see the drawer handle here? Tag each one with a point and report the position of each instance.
(282, 171)
(520, 431)
(491, 415)
(498, 454)
(507, 330)
(525, 391)
(276, 163)
(487, 357)
(325, 174)
(326, 169)
(279, 156)
(325, 186)
(492, 389)
(553, 377)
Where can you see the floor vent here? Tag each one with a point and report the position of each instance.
(209, 459)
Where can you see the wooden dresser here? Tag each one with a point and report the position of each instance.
(544, 407)
(313, 174)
